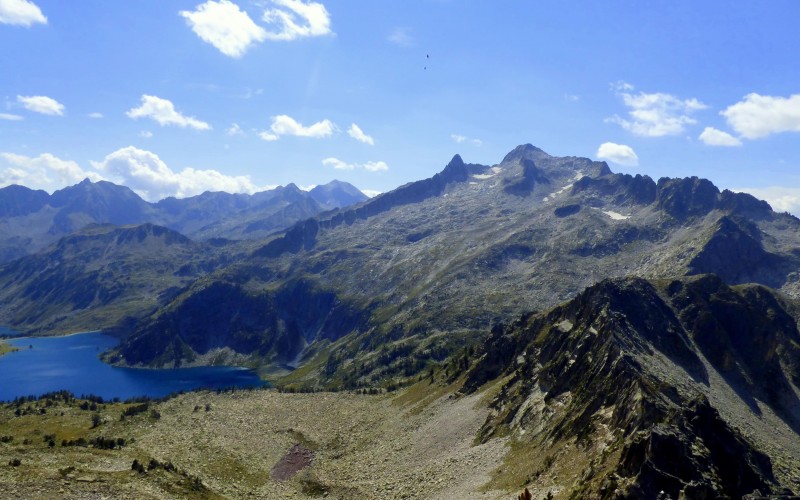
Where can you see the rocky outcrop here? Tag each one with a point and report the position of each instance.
(590, 362)
(687, 197)
(531, 175)
(735, 253)
(621, 189)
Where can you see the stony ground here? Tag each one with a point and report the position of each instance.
(414, 444)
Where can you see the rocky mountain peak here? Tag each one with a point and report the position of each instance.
(687, 197)
(528, 151)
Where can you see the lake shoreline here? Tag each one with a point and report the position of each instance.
(73, 363)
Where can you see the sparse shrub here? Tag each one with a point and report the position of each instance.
(96, 420)
(15, 462)
(6, 439)
(135, 410)
(155, 414)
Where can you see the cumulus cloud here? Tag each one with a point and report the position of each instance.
(461, 139)
(163, 112)
(286, 125)
(370, 166)
(781, 199)
(655, 115)
(225, 26)
(338, 164)
(376, 166)
(9, 116)
(618, 153)
(152, 179)
(372, 193)
(45, 171)
(758, 116)
(356, 133)
(292, 19)
(146, 134)
(41, 104)
(714, 137)
(401, 37)
(21, 13)
(95, 115)
(268, 136)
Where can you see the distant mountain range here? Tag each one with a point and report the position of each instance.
(30, 220)
(644, 330)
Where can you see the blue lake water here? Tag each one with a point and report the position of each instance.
(71, 363)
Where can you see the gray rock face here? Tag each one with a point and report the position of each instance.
(636, 356)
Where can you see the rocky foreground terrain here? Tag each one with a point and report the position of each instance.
(414, 444)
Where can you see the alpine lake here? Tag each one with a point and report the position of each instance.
(72, 363)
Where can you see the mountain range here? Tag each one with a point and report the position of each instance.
(30, 220)
(614, 321)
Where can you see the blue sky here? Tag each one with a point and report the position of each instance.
(175, 98)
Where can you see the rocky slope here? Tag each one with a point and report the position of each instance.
(435, 263)
(685, 386)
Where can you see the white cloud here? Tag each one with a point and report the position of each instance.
(401, 37)
(234, 129)
(356, 133)
(286, 125)
(163, 112)
(781, 199)
(8, 116)
(714, 137)
(294, 19)
(655, 115)
(762, 115)
(618, 153)
(45, 171)
(41, 104)
(226, 27)
(95, 115)
(21, 13)
(621, 86)
(152, 179)
(372, 193)
(146, 134)
(268, 136)
(370, 166)
(461, 139)
(376, 166)
(338, 164)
